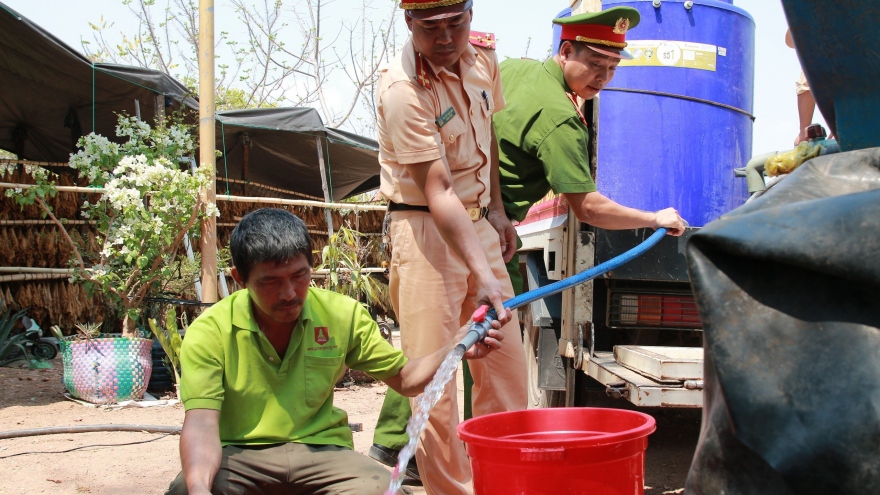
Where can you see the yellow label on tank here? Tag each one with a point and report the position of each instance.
(660, 53)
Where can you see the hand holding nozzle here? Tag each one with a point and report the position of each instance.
(482, 323)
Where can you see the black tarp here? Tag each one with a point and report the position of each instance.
(283, 152)
(49, 92)
(788, 288)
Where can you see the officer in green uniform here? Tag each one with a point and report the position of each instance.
(543, 138)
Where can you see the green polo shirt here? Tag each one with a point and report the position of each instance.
(543, 145)
(229, 365)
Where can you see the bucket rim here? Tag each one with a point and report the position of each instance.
(643, 430)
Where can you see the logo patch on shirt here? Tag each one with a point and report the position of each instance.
(322, 335)
(445, 118)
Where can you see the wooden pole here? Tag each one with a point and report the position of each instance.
(24, 277)
(159, 110)
(207, 157)
(245, 161)
(324, 185)
(234, 199)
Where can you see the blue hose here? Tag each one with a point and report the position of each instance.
(479, 330)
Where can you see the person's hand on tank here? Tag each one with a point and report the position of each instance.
(670, 220)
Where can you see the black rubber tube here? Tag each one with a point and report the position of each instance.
(683, 97)
(55, 430)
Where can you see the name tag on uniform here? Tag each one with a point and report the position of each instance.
(446, 117)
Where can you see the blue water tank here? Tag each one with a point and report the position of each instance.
(675, 121)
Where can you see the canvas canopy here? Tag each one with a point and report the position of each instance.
(50, 94)
(281, 146)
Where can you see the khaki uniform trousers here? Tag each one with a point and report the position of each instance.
(433, 294)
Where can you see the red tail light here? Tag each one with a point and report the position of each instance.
(653, 310)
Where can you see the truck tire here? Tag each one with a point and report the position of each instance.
(537, 397)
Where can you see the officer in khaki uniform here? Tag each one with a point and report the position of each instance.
(439, 173)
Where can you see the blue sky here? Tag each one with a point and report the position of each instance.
(518, 24)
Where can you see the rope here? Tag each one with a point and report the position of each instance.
(329, 170)
(682, 97)
(225, 168)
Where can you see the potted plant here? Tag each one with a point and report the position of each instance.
(148, 206)
(344, 258)
(170, 340)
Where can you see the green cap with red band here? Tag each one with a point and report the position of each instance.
(604, 32)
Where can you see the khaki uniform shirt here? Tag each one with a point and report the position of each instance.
(409, 132)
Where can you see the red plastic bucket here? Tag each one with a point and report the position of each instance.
(558, 451)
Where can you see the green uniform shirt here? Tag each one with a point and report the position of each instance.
(229, 365)
(542, 142)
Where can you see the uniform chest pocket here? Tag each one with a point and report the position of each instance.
(321, 374)
(453, 135)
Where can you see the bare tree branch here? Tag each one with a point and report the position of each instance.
(270, 62)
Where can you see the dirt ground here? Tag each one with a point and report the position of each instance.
(122, 462)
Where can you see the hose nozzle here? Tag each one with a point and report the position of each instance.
(482, 322)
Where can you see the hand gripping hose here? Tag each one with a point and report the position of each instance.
(483, 316)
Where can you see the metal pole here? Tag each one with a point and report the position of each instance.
(324, 181)
(207, 158)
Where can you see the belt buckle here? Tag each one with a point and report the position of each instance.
(474, 213)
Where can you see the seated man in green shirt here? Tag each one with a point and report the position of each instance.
(258, 370)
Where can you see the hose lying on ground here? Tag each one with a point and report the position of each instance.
(55, 430)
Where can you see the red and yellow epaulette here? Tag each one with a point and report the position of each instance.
(424, 74)
(485, 40)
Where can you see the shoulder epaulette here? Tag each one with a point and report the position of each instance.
(485, 40)
(424, 74)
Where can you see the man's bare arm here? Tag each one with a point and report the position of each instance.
(417, 373)
(456, 227)
(200, 450)
(599, 211)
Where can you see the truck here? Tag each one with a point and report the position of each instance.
(669, 130)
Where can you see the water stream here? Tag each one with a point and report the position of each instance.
(419, 419)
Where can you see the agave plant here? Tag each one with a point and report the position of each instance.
(88, 330)
(344, 257)
(169, 339)
(10, 344)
